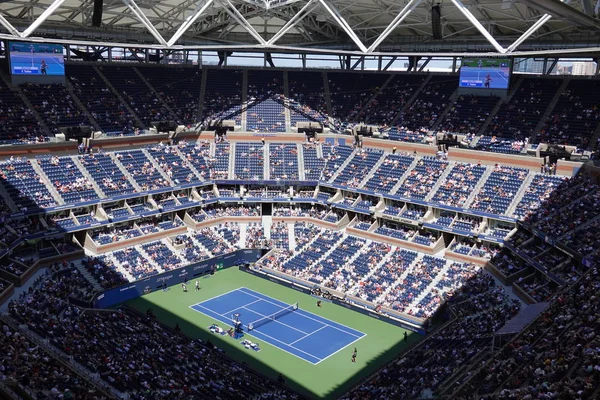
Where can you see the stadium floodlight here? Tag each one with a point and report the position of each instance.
(189, 22)
(412, 4)
(43, 16)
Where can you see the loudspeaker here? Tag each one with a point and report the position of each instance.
(436, 21)
(97, 15)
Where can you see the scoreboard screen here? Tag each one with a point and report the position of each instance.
(36, 59)
(485, 73)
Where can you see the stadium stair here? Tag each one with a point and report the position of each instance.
(158, 168)
(517, 199)
(89, 277)
(8, 199)
(32, 109)
(77, 100)
(327, 93)
(343, 166)
(479, 185)
(300, 151)
(243, 235)
(118, 95)
(231, 171)
(550, 108)
(67, 360)
(411, 100)
(594, 139)
(201, 246)
(202, 94)
(514, 89)
(267, 221)
(375, 269)
(156, 93)
(266, 161)
(406, 173)
(365, 106)
(244, 115)
(126, 173)
(86, 174)
(57, 197)
(401, 278)
(373, 170)
(150, 260)
(432, 286)
(441, 179)
(189, 165)
(291, 236)
(451, 102)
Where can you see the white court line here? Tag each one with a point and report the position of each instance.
(238, 307)
(270, 337)
(216, 297)
(274, 320)
(335, 352)
(308, 334)
(501, 75)
(306, 316)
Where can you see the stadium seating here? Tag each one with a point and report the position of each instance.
(307, 89)
(429, 104)
(101, 102)
(223, 91)
(518, 118)
(266, 116)
(283, 161)
(458, 185)
(335, 156)
(18, 124)
(499, 190)
(350, 93)
(179, 87)
(55, 106)
(176, 168)
(103, 169)
(67, 179)
(389, 173)
(142, 169)
(422, 178)
(249, 161)
(358, 167)
(392, 98)
(25, 186)
(468, 113)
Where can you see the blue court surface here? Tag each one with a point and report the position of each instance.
(475, 77)
(301, 333)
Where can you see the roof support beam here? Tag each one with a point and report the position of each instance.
(43, 16)
(389, 64)
(461, 7)
(307, 9)
(236, 15)
(188, 23)
(343, 24)
(412, 4)
(528, 33)
(145, 21)
(13, 31)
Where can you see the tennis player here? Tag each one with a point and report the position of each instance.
(354, 355)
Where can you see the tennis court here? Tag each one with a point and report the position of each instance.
(475, 77)
(303, 334)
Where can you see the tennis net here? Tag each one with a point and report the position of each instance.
(272, 317)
